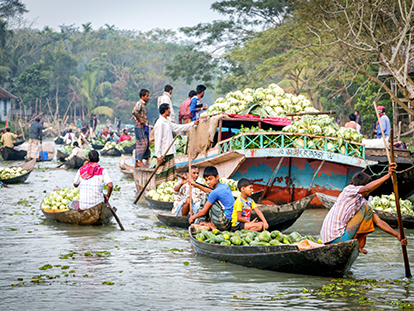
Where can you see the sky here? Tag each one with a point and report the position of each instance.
(140, 15)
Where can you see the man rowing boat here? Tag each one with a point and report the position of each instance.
(91, 178)
(351, 217)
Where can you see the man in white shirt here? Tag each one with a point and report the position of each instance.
(76, 152)
(69, 137)
(165, 98)
(163, 130)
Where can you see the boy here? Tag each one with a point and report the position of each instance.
(243, 207)
(219, 206)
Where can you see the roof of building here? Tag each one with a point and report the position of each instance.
(5, 94)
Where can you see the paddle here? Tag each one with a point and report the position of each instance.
(115, 215)
(189, 176)
(397, 197)
(153, 173)
(60, 165)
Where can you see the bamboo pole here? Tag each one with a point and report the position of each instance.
(190, 176)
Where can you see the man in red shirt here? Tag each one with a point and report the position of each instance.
(184, 115)
(125, 136)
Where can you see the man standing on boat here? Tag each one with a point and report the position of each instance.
(35, 137)
(196, 106)
(163, 133)
(165, 98)
(351, 217)
(91, 179)
(385, 122)
(141, 129)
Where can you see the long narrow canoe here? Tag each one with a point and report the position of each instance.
(126, 166)
(75, 163)
(97, 147)
(155, 204)
(333, 260)
(11, 154)
(61, 156)
(28, 166)
(278, 217)
(18, 143)
(59, 140)
(95, 216)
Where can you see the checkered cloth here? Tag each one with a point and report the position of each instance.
(216, 214)
(166, 170)
(142, 146)
(33, 150)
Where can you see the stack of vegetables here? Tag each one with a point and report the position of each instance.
(246, 237)
(99, 141)
(264, 102)
(67, 149)
(112, 145)
(127, 143)
(164, 192)
(59, 199)
(7, 173)
(386, 203)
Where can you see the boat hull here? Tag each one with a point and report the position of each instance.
(75, 163)
(22, 178)
(11, 154)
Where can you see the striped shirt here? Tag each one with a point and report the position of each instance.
(348, 204)
(91, 190)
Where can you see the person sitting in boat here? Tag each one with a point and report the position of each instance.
(182, 198)
(125, 136)
(112, 137)
(105, 132)
(83, 138)
(7, 138)
(76, 152)
(353, 124)
(219, 206)
(351, 217)
(243, 207)
(91, 179)
(69, 138)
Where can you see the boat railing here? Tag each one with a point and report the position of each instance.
(262, 140)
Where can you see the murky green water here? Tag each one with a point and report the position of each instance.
(146, 263)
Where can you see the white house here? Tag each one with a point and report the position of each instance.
(5, 104)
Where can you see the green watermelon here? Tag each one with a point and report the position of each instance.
(236, 240)
(219, 238)
(265, 236)
(274, 242)
(215, 231)
(200, 237)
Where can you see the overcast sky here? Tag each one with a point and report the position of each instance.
(124, 14)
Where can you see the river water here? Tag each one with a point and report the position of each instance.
(151, 267)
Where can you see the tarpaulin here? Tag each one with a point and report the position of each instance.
(270, 120)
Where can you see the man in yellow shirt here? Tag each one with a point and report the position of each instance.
(7, 138)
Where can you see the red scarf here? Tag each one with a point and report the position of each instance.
(89, 170)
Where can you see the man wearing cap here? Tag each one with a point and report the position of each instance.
(385, 122)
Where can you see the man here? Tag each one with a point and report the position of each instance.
(7, 138)
(79, 123)
(125, 136)
(163, 130)
(351, 217)
(69, 138)
(91, 178)
(105, 132)
(118, 124)
(353, 124)
(92, 126)
(141, 129)
(196, 106)
(358, 117)
(184, 115)
(113, 137)
(35, 137)
(83, 138)
(165, 98)
(76, 152)
(182, 194)
(385, 122)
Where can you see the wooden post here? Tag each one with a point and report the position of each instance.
(219, 133)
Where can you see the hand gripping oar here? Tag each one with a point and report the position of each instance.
(153, 173)
(397, 197)
(115, 215)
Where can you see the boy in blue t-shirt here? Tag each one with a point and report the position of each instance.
(219, 207)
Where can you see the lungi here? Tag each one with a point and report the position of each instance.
(142, 146)
(166, 170)
(33, 149)
(216, 214)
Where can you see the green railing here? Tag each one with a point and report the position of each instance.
(262, 140)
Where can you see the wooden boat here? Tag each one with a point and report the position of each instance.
(61, 156)
(126, 166)
(129, 149)
(388, 217)
(159, 204)
(278, 217)
(18, 143)
(75, 163)
(59, 141)
(11, 154)
(113, 152)
(95, 216)
(28, 166)
(51, 151)
(333, 260)
(97, 147)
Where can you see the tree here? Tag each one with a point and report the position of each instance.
(11, 8)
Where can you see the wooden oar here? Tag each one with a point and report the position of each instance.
(153, 173)
(60, 165)
(397, 197)
(115, 215)
(189, 176)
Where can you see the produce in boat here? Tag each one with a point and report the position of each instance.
(60, 199)
(386, 203)
(164, 192)
(99, 141)
(127, 143)
(111, 145)
(7, 173)
(246, 237)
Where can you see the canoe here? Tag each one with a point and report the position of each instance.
(44, 147)
(61, 156)
(159, 204)
(11, 154)
(334, 260)
(75, 163)
(129, 149)
(95, 216)
(126, 166)
(389, 218)
(18, 143)
(278, 217)
(113, 152)
(97, 147)
(28, 166)
(59, 141)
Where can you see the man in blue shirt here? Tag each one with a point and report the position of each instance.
(219, 206)
(385, 122)
(196, 106)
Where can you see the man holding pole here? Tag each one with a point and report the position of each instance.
(35, 137)
(163, 134)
